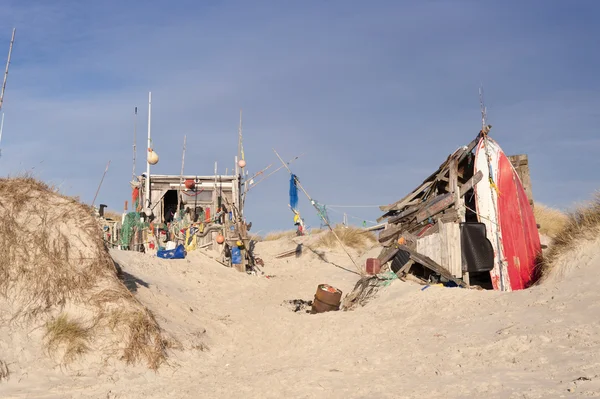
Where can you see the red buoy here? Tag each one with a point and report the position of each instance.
(190, 184)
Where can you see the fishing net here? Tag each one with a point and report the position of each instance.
(322, 209)
(131, 224)
(366, 288)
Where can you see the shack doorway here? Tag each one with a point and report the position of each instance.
(170, 205)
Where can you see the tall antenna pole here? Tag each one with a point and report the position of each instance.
(240, 148)
(181, 177)
(134, 141)
(148, 202)
(483, 109)
(100, 185)
(1, 129)
(12, 41)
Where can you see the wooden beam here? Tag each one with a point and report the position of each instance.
(400, 204)
(390, 232)
(431, 265)
(406, 268)
(471, 183)
(440, 203)
(402, 215)
(387, 254)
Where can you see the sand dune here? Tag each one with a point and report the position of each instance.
(238, 339)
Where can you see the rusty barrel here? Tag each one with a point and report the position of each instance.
(327, 298)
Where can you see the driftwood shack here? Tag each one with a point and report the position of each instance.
(198, 211)
(436, 230)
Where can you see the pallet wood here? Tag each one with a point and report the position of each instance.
(390, 232)
(406, 268)
(387, 254)
(450, 254)
(431, 265)
(440, 203)
(471, 183)
(401, 203)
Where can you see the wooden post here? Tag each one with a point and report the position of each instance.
(521, 165)
(452, 230)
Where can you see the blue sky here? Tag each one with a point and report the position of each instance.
(375, 94)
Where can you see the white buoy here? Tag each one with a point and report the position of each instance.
(241, 163)
(152, 157)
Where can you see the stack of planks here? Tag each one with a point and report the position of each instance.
(435, 208)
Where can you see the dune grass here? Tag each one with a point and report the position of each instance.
(278, 235)
(352, 237)
(54, 255)
(581, 225)
(69, 334)
(113, 215)
(551, 221)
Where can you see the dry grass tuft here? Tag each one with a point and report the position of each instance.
(255, 237)
(582, 225)
(141, 336)
(551, 220)
(63, 332)
(114, 215)
(352, 237)
(4, 371)
(278, 235)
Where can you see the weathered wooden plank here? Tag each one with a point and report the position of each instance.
(451, 215)
(469, 148)
(450, 248)
(401, 203)
(387, 254)
(453, 176)
(440, 203)
(471, 183)
(406, 268)
(390, 232)
(403, 214)
(432, 265)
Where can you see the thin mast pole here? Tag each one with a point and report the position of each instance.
(181, 176)
(148, 202)
(100, 185)
(270, 174)
(1, 127)
(313, 203)
(134, 141)
(12, 41)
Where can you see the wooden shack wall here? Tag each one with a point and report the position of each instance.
(444, 247)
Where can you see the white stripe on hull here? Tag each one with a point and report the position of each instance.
(487, 208)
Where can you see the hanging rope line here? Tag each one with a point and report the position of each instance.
(313, 203)
(354, 206)
(352, 216)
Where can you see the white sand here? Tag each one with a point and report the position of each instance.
(406, 343)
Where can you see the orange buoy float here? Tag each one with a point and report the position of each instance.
(241, 163)
(220, 239)
(190, 184)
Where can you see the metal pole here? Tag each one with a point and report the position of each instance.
(100, 185)
(148, 202)
(134, 141)
(12, 41)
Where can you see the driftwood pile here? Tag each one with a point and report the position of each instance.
(440, 199)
